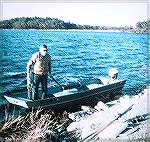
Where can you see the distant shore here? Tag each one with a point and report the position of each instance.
(87, 30)
(57, 24)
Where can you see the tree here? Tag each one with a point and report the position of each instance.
(142, 25)
(54, 23)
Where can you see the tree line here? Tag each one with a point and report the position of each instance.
(54, 23)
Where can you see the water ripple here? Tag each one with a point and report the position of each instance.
(76, 55)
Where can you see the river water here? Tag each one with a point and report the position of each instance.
(75, 55)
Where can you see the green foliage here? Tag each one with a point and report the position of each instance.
(54, 23)
(148, 24)
(36, 23)
(142, 25)
(41, 23)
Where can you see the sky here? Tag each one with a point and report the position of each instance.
(94, 14)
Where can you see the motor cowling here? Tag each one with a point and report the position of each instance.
(113, 73)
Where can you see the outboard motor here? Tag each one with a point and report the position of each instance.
(113, 74)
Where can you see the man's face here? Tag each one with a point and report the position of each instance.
(43, 51)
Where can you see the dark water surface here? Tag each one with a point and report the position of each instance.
(75, 55)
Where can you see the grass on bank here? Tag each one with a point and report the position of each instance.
(36, 125)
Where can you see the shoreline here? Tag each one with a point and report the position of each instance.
(87, 30)
(137, 110)
(130, 124)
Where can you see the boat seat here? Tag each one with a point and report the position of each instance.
(66, 92)
(72, 85)
(90, 81)
(54, 89)
(82, 88)
(93, 86)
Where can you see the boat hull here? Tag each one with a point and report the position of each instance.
(76, 98)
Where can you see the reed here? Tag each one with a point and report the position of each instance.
(36, 125)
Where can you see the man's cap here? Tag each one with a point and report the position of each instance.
(43, 46)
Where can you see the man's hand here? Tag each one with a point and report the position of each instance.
(28, 81)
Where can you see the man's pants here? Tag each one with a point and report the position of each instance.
(37, 80)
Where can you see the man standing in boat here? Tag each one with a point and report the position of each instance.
(41, 63)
